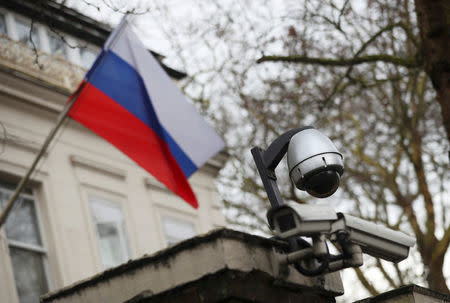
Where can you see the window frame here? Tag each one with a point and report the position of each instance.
(176, 215)
(123, 231)
(36, 26)
(4, 14)
(42, 250)
(66, 49)
(10, 23)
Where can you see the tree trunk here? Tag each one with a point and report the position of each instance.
(435, 278)
(434, 23)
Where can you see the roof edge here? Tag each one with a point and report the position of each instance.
(164, 254)
(404, 290)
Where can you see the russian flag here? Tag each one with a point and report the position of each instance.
(129, 100)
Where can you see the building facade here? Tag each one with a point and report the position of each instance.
(87, 207)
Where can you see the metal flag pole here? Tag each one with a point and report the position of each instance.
(61, 118)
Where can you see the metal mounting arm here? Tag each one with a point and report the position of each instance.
(267, 160)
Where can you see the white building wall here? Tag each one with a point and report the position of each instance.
(78, 165)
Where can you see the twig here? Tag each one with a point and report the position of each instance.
(35, 50)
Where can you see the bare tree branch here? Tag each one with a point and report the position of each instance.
(405, 62)
(367, 285)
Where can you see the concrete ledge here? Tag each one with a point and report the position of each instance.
(214, 258)
(233, 286)
(409, 294)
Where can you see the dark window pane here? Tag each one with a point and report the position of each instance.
(23, 33)
(21, 224)
(7, 185)
(3, 199)
(111, 246)
(29, 274)
(12, 187)
(2, 24)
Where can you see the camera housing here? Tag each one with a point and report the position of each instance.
(374, 239)
(308, 221)
(354, 235)
(315, 165)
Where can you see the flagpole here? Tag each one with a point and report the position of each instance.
(61, 118)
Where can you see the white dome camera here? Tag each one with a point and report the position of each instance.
(315, 165)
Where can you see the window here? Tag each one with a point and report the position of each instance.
(23, 32)
(176, 230)
(87, 57)
(57, 45)
(2, 24)
(26, 248)
(110, 229)
(46, 39)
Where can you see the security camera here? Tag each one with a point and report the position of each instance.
(305, 220)
(315, 165)
(374, 239)
(320, 222)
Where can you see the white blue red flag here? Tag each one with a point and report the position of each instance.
(129, 100)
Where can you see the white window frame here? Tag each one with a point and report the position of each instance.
(177, 215)
(45, 44)
(123, 231)
(10, 24)
(43, 250)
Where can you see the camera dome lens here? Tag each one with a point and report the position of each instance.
(322, 184)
